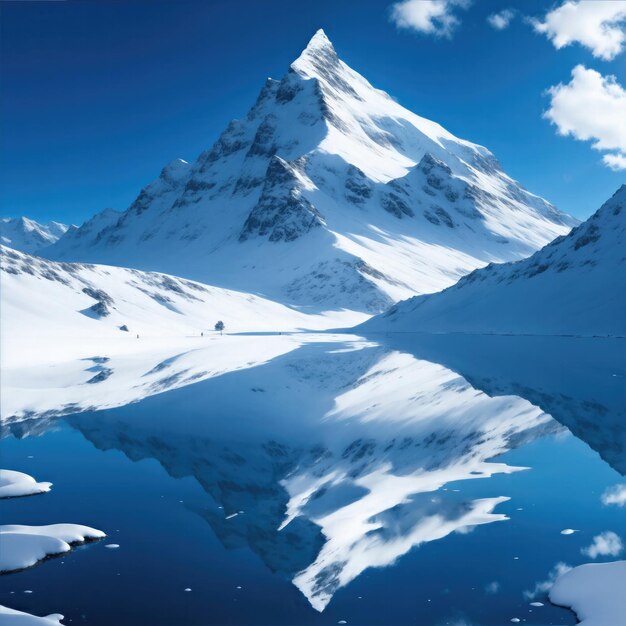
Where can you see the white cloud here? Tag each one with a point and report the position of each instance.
(616, 494)
(616, 162)
(542, 588)
(599, 25)
(492, 588)
(433, 17)
(604, 544)
(592, 107)
(501, 20)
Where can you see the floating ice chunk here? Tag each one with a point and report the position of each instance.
(112, 546)
(568, 531)
(231, 515)
(187, 588)
(14, 484)
(11, 617)
(536, 604)
(342, 621)
(23, 546)
(515, 619)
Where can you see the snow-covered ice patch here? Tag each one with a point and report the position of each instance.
(568, 531)
(11, 617)
(595, 592)
(112, 546)
(24, 546)
(15, 484)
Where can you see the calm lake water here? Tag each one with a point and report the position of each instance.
(403, 480)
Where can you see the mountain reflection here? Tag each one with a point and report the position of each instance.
(336, 454)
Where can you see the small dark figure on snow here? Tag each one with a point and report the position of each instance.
(220, 326)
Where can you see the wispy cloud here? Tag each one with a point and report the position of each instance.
(542, 587)
(501, 20)
(617, 494)
(596, 24)
(604, 544)
(431, 17)
(492, 588)
(592, 107)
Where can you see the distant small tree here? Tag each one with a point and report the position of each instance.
(220, 326)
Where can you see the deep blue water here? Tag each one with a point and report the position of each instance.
(164, 523)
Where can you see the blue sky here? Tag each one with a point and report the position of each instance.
(98, 96)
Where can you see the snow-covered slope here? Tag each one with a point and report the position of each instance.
(575, 285)
(24, 234)
(52, 311)
(330, 194)
(88, 232)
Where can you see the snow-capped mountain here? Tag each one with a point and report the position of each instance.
(28, 235)
(575, 285)
(330, 194)
(89, 231)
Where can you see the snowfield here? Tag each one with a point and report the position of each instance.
(52, 312)
(576, 285)
(23, 546)
(328, 194)
(595, 592)
(15, 484)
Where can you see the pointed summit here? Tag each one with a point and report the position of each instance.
(318, 54)
(319, 41)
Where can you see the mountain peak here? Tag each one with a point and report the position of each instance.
(319, 41)
(318, 55)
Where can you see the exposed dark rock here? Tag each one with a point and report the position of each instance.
(282, 212)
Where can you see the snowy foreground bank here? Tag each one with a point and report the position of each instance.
(24, 546)
(15, 484)
(595, 592)
(11, 617)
